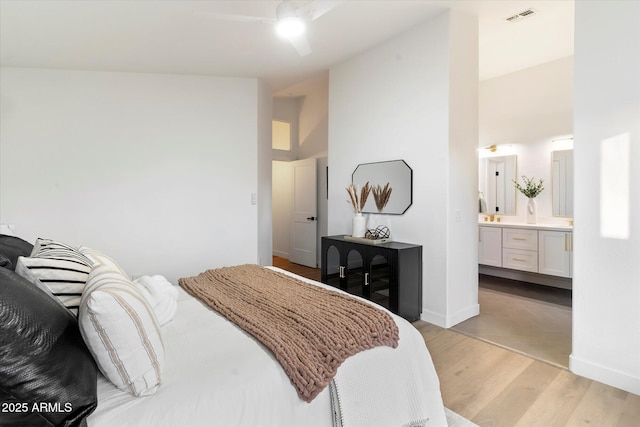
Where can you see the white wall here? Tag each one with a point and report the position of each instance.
(527, 110)
(396, 101)
(282, 176)
(323, 204)
(314, 118)
(462, 197)
(155, 170)
(606, 283)
(314, 142)
(287, 110)
(264, 153)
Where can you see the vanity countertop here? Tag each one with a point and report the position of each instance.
(538, 226)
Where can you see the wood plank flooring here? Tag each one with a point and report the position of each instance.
(308, 272)
(532, 319)
(493, 386)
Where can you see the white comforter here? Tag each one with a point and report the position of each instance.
(217, 375)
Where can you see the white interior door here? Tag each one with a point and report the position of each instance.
(304, 231)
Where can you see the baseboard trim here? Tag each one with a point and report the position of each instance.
(281, 254)
(433, 318)
(604, 375)
(449, 321)
(525, 276)
(463, 315)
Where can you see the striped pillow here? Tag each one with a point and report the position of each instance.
(121, 331)
(99, 257)
(59, 267)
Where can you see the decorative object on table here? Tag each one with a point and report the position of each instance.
(381, 196)
(380, 232)
(531, 190)
(358, 198)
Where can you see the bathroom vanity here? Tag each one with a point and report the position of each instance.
(509, 247)
(536, 253)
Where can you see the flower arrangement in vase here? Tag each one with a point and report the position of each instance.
(358, 198)
(531, 189)
(378, 227)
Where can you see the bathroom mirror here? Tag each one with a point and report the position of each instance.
(497, 193)
(562, 183)
(400, 178)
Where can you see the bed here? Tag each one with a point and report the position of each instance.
(216, 374)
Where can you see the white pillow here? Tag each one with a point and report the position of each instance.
(121, 331)
(161, 295)
(58, 266)
(99, 257)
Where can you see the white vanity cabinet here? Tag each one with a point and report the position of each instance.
(490, 246)
(555, 253)
(520, 249)
(535, 253)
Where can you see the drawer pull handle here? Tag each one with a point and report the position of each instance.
(519, 259)
(518, 238)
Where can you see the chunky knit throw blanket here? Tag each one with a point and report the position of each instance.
(310, 330)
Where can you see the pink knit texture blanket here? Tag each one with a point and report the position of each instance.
(310, 330)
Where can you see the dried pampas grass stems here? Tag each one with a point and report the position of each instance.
(364, 194)
(358, 200)
(381, 196)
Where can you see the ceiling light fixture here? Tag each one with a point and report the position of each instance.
(494, 150)
(289, 24)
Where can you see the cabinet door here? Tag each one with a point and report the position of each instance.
(378, 280)
(353, 281)
(332, 267)
(555, 253)
(490, 246)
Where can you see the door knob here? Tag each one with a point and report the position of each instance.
(311, 218)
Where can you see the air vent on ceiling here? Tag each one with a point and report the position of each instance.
(522, 15)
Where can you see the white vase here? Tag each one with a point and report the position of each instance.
(359, 225)
(532, 211)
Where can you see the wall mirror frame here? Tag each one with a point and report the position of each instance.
(497, 193)
(397, 173)
(562, 183)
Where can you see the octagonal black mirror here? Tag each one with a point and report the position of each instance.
(400, 178)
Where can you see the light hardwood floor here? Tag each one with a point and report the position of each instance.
(531, 319)
(493, 386)
(308, 272)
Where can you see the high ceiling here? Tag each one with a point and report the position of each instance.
(190, 37)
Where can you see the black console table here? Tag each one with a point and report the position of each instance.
(389, 274)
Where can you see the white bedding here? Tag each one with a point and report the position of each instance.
(217, 375)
